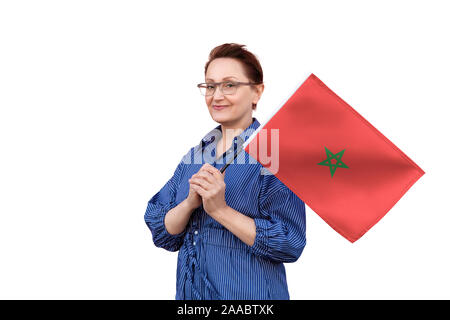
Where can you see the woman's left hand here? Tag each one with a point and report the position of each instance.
(209, 183)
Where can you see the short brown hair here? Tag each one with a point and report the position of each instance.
(252, 67)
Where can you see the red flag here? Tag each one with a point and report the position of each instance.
(333, 159)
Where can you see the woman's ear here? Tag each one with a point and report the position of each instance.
(259, 91)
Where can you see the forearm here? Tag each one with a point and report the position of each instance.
(237, 223)
(177, 218)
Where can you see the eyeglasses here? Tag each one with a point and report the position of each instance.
(227, 87)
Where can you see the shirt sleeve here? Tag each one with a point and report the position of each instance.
(281, 231)
(157, 208)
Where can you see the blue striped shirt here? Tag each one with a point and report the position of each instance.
(212, 262)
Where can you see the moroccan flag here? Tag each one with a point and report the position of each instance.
(333, 159)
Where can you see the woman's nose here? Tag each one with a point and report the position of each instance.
(218, 93)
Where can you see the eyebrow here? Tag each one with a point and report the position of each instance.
(222, 79)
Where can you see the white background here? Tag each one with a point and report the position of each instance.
(98, 103)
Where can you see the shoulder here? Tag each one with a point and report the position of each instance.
(187, 158)
(272, 188)
(269, 183)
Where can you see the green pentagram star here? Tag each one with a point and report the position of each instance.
(327, 162)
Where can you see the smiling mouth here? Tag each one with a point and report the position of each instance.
(217, 107)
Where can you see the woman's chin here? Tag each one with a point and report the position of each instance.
(220, 116)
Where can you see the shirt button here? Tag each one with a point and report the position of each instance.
(195, 232)
(194, 243)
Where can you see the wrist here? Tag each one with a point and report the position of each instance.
(220, 213)
(188, 205)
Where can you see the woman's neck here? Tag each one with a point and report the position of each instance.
(229, 131)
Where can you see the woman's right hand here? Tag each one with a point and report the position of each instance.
(193, 199)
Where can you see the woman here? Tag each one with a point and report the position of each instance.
(233, 230)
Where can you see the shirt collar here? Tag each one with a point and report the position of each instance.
(217, 133)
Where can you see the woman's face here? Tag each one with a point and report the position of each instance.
(238, 105)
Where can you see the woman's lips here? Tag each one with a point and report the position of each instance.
(217, 107)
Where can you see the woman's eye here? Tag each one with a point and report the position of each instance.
(209, 87)
(230, 85)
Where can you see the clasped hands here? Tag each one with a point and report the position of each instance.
(207, 186)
